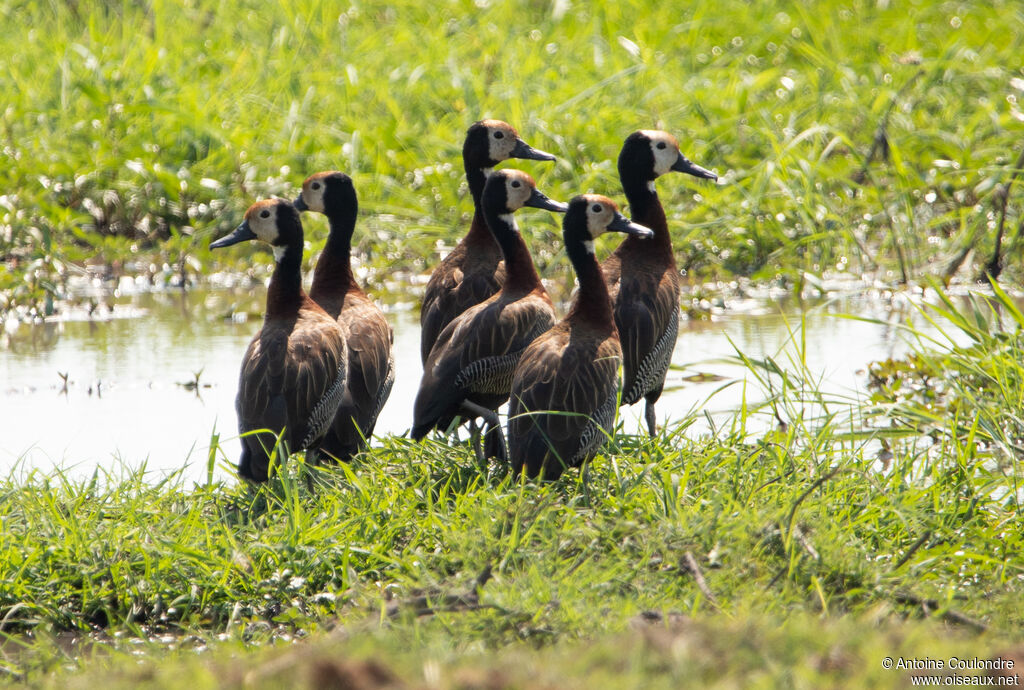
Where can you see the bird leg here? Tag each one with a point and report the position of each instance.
(494, 442)
(474, 438)
(472, 410)
(491, 421)
(652, 422)
(312, 460)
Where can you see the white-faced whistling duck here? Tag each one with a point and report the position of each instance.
(472, 272)
(642, 277)
(565, 387)
(371, 363)
(294, 370)
(468, 372)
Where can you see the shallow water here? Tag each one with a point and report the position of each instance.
(128, 361)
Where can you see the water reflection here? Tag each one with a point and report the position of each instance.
(152, 377)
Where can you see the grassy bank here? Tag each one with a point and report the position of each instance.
(802, 652)
(862, 136)
(724, 552)
(799, 542)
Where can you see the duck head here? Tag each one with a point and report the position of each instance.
(274, 221)
(591, 215)
(489, 142)
(651, 153)
(509, 190)
(331, 193)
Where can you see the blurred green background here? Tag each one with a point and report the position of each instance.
(862, 136)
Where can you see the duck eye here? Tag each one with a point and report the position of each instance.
(662, 144)
(596, 208)
(499, 135)
(264, 214)
(315, 185)
(517, 184)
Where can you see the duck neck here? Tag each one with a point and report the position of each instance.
(333, 274)
(520, 272)
(478, 232)
(645, 208)
(479, 236)
(592, 302)
(476, 177)
(285, 295)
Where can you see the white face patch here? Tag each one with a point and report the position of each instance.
(518, 188)
(265, 228)
(665, 149)
(509, 219)
(501, 141)
(589, 246)
(596, 225)
(487, 171)
(314, 198)
(600, 212)
(651, 188)
(279, 253)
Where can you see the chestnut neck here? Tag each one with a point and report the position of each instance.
(333, 276)
(285, 295)
(476, 176)
(645, 208)
(592, 303)
(520, 273)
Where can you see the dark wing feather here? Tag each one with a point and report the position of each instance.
(611, 268)
(574, 376)
(435, 312)
(458, 283)
(315, 372)
(261, 402)
(370, 375)
(369, 339)
(475, 355)
(644, 311)
(260, 380)
(292, 378)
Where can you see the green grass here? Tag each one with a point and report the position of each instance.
(867, 137)
(864, 136)
(958, 400)
(798, 552)
(803, 652)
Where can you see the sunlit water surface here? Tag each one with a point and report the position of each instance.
(129, 365)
